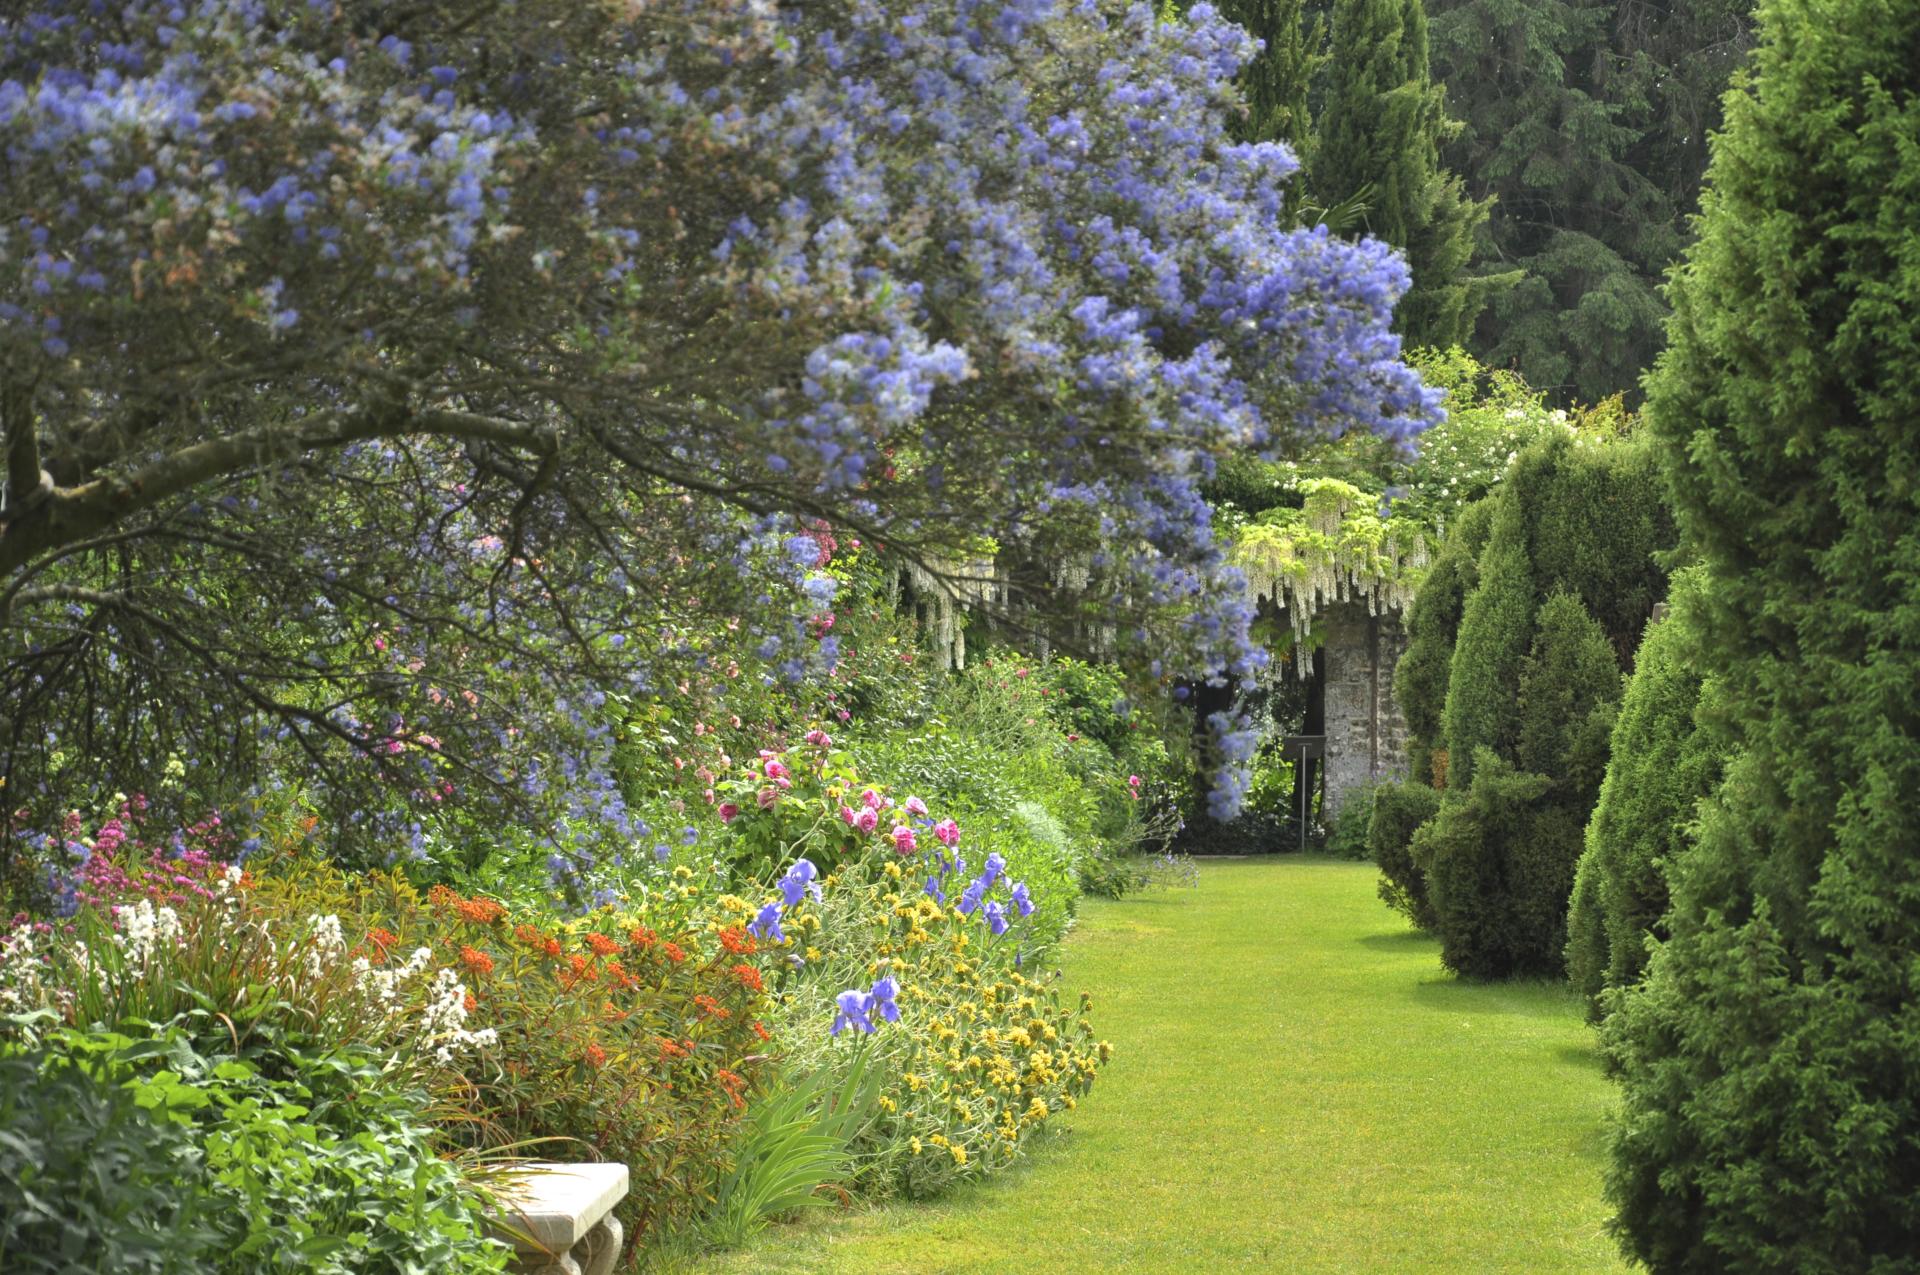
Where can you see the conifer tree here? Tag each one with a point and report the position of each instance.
(1381, 125)
(1275, 84)
(1771, 1111)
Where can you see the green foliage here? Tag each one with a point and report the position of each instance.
(1433, 623)
(1584, 121)
(1500, 859)
(1770, 1118)
(1348, 837)
(142, 1154)
(1398, 811)
(1275, 82)
(793, 1144)
(1662, 761)
(1380, 131)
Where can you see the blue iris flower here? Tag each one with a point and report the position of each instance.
(799, 882)
(970, 897)
(882, 998)
(991, 872)
(854, 1005)
(766, 924)
(996, 918)
(934, 891)
(1021, 899)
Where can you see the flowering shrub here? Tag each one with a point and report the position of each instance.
(637, 1037)
(972, 1054)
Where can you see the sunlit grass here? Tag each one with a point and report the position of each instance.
(1299, 1087)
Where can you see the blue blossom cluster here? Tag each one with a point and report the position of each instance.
(791, 247)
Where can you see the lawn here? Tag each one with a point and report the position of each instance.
(1299, 1087)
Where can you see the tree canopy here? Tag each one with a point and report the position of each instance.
(368, 373)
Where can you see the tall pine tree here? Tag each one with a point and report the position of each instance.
(1381, 125)
(1771, 1059)
(1276, 83)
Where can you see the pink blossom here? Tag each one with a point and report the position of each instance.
(1019, 672)
(915, 806)
(866, 820)
(1133, 781)
(727, 811)
(903, 838)
(871, 799)
(777, 770)
(767, 797)
(847, 816)
(947, 832)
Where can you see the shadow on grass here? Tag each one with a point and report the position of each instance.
(1397, 941)
(1531, 997)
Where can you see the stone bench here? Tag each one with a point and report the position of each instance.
(559, 1217)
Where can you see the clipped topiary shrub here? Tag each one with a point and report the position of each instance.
(1433, 622)
(1500, 859)
(1770, 1118)
(1398, 810)
(1661, 764)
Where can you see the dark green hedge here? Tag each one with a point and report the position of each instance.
(1398, 810)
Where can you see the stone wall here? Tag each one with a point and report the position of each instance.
(1366, 735)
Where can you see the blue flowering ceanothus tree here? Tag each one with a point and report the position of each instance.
(355, 357)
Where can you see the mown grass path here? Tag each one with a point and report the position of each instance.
(1299, 1087)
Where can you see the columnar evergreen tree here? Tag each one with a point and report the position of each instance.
(1433, 624)
(1381, 124)
(1661, 762)
(1584, 121)
(1275, 83)
(1567, 577)
(1771, 1116)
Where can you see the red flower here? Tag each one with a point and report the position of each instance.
(596, 1056)
(602, 945)
(738, 941)
(733, 1084)
(748, 977)
(476, 960)
(673, 952)
(641, 936)
(710, 1007)
(760, 1030)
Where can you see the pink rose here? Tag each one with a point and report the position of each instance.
(870, 799)
(777, 770)
(903, 839)
(727, 811)
(767, 796)
(947, 832)
(915, 806)
(847, 816)
(867, 821)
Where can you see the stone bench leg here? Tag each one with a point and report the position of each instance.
(595, 1254)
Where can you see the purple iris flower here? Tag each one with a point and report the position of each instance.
(991, 873)
(970, 898)
(854, 1005)
(882, 998)
(934, 891)
(799, 882)
(1021, 899)
(766, 924)
(996, 918)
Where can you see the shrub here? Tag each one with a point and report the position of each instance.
(142, 1154)
(1662, 763)
(1348, 837)
(1398, 810)
(1770, 1117)
(1433, 624)
(1501, 867)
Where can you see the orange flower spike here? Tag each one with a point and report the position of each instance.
(552, 947)
(602, 945)
(641, 936)
(748, 977)
(673, 952)
(760, 1030)
(596, 1056)
(476, 960)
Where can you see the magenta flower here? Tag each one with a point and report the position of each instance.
(947, 832)
(903, 839)
(866, 820)
(727, 811)
(777, 770)
(847, 816)
(915, 806)
(872, 800)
